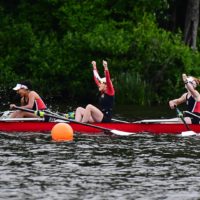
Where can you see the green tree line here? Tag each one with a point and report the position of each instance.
(52, 43)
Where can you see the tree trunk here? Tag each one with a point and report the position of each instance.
(191, 23)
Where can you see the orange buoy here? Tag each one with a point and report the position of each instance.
(62, 132)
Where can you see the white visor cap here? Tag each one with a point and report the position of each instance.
(20, 86)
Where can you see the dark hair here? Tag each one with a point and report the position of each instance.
(27, 83)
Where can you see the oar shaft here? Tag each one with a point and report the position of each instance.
(182, 118)
(118, 120)
(149, 121)
(192, 114)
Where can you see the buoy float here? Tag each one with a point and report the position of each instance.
(62, 132)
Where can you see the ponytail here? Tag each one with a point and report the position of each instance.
(197, 80)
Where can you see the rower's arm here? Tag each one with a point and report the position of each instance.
(110, 88)
(97, 78)
(194, 92)
(190, 87)
(175, 102)
(31, 100)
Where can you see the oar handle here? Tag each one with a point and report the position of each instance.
(179, 113)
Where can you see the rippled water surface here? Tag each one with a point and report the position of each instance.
(102, 167)
(99, 167)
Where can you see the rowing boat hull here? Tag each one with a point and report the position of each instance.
(154, 128)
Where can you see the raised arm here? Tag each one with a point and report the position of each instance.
(190, 84)
(110, 88)
(97, 78)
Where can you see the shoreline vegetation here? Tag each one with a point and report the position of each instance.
(52, 43)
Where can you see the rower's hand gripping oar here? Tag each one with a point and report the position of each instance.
(180, 114)
(43, 114)
(185, 133)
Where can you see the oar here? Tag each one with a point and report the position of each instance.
(43, 114)
(192, 114)
(151, 121)
(185, 133)
(118, 120)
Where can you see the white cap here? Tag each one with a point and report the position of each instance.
(20, 86)
(103, 80)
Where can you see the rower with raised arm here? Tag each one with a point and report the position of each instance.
(104, 112)
(191, 98)
(29, 100)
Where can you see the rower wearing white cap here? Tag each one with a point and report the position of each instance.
(29, 99)
(104, 113)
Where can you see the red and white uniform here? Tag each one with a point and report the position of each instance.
(106, 100)
(110, 89)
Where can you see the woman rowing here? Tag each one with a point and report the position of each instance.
(104, 113)
(191, 98)
(29, 100)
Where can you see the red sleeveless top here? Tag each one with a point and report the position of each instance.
(39, 105)
(196, 108)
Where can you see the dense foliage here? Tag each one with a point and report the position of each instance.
(52, 42)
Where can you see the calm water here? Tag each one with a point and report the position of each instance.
(100, 167)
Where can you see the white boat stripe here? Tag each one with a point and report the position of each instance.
(21, 119)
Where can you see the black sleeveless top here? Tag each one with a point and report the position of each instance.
(106, 103)
(190, 103)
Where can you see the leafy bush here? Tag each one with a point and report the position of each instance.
(160, 58)
(53, 42)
